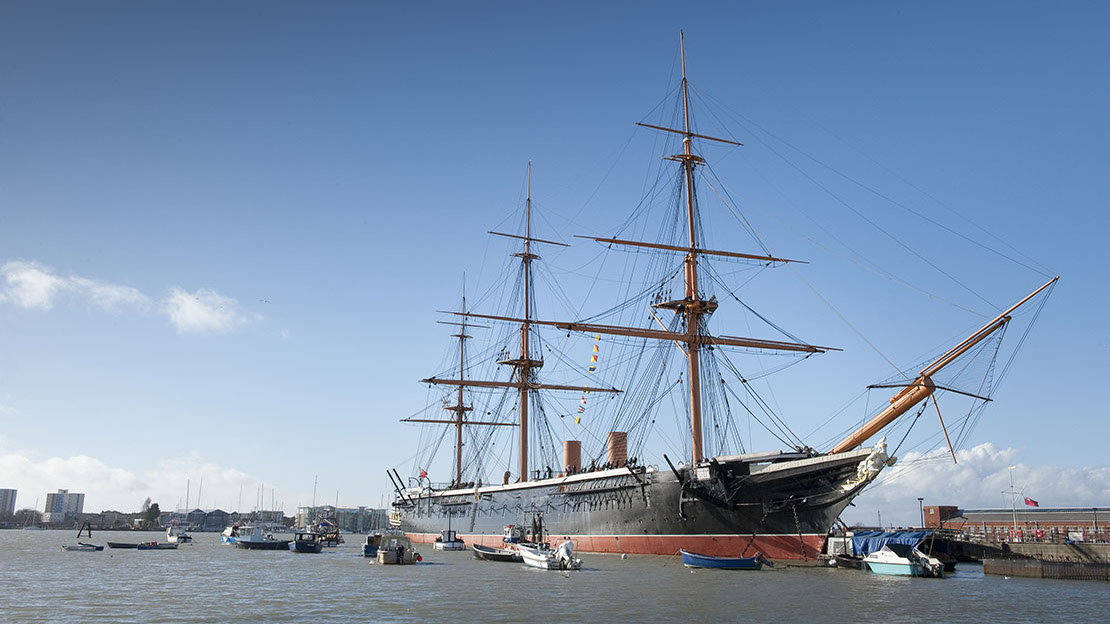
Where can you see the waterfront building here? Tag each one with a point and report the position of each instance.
(1030, 524)
(63, 506)
(349, 519)
(7, 502)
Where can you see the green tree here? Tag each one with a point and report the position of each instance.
(151, 514)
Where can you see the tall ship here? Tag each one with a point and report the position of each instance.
(708, 494)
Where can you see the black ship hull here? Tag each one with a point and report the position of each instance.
(726, 507)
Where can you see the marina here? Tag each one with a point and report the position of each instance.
(105, 585)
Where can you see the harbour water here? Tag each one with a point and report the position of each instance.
(210, 582)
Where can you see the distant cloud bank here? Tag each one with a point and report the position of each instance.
(108, 488)
(976, 481)
(33, 286)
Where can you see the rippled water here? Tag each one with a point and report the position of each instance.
(210, 582)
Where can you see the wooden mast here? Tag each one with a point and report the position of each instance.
(459, 408)
(524, 368)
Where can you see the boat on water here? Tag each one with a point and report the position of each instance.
(255, 537)
(230, 534)
(307, 542)
(176, 535)
(396, 549)
(122, 545)
(86, 528)
(491, 553)
(717, 498)
(448, 540)
(371, 544)
(896, 559)
(695, 560)
(559, 558)
(155, 546)
(848, 562)
(81, 547)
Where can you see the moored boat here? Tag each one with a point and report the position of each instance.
(230, 534)
(560, 558)
(848, 562)
(371, 544)
(695, 560)
(155, 546)
(255, 537)
(81, 547)
(489, 553)
(307, 542)
(122, 545)
(896, 559)
(396, 549)
(448, 540)
(177, 535)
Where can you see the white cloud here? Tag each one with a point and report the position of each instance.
(33, 286)
(976, 481)
(117, 489)
(202, 311)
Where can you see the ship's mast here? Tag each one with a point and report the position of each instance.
(524, 366)
(695, 309)
(459, 408)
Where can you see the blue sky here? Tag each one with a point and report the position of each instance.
(225, 230)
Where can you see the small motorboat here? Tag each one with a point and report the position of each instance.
(695, 560)
(155, 546)
(81, 547)
(230, 534)
(848, 562)
(307, 542)
(561, 558)
(370, 546)
(903, 560)
(175, 535)
(255, 537)
(396, 549)
(495, 554)
(448, 540)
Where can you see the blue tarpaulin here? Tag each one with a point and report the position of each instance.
(867, 542)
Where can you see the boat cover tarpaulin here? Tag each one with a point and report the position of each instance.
(867, 542)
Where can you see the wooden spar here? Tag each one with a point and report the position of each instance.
(687, 132)
(451, 422)
(944, 429)
(922, 387)
(529, 238)
(513, 384)
(656, 334)
(704, 252)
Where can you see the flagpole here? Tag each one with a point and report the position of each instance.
(1013, 505)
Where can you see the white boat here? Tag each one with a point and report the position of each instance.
(175, 535)
(903, 560)
(561, 558)
(448, 540)
(230, 534)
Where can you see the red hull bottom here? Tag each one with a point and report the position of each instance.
(788, 547)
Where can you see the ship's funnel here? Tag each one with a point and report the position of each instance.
(618, 447)
(572, 455)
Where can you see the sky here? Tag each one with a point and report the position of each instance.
(225, 230)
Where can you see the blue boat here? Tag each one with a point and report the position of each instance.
(694, 560)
